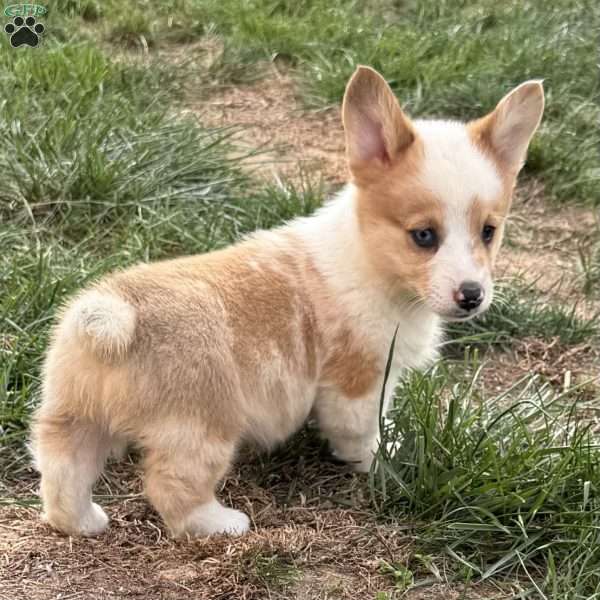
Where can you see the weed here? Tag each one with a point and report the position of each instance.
(402, 577)
(589, 260)
(506, 486)
(274, 571)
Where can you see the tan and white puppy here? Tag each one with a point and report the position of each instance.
(189, 358)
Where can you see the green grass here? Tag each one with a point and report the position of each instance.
(454, 59)
(589, 260)
(497, 487)
(272, 570)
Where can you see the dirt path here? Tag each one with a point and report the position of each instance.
(271, 117)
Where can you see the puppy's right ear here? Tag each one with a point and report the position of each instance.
(377, 131)
(508, 129)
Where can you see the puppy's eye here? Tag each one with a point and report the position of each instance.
(425, 238)
(487, 234)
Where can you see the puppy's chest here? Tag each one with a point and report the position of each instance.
(358, 352)
(417, 342)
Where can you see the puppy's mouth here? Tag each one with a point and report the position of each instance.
(461, 315)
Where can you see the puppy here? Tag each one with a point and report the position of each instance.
(188, 358)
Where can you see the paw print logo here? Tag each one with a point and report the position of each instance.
(24, 32)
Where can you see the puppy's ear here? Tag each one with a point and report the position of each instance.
(377, 130)
(508, 129)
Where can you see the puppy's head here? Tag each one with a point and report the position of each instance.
(432, 196)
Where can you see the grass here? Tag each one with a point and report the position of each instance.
(275, 572)
(502, 487)
(589, 259)
(70, 131)
(453, 59)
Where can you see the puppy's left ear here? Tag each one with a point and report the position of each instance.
(508, 129)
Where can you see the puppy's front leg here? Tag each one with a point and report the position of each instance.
(351, 425)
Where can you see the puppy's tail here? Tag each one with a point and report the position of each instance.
(103, 322)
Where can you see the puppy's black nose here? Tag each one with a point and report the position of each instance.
(470, 295)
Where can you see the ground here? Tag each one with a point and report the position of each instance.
(313, 537)
(316, 533)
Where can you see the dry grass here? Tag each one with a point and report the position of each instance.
(312, 537)
(551, 360)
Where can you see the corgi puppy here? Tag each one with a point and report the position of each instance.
(189, 358)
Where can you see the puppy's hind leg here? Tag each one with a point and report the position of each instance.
(180, 483)
(70, 455)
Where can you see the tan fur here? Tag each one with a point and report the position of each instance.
(481, 214)
(387, 213)
(391, 201)
(369, 105)
(206, 328)
(522, 108)
(350, 367)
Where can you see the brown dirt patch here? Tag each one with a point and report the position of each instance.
(312, 538)
(272, 120)
(559, 364)
(543, 245)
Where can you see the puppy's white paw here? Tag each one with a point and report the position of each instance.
(360, 463)
(93, 522)
(235, 522)
(212, 518)
(363, 466)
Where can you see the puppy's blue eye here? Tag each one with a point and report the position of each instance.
(487, 235)
(425, 238)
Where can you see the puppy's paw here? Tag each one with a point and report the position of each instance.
(91, 523)
(94, 522)
(235, 522)
(359, 462)
(214, 518)
(362, 466)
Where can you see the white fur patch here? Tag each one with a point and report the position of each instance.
(104, 319)
(457, 173)
(334, 240)
(213, 517)
(454, 169)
